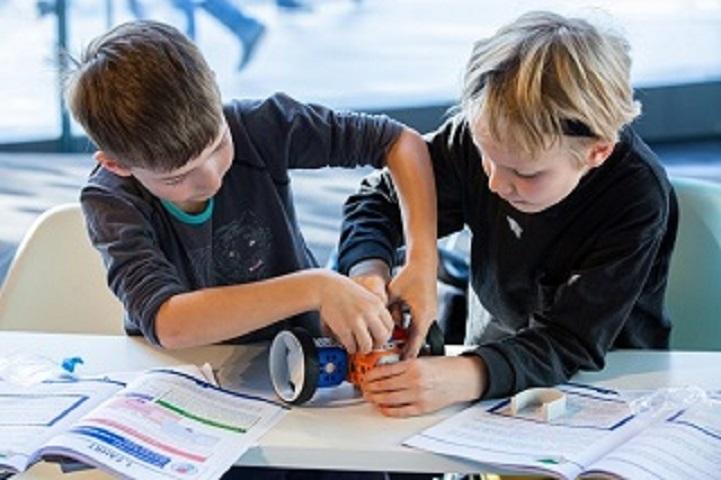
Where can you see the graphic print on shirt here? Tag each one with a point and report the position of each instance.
(515, 227)
(201, 260)
(242, 250)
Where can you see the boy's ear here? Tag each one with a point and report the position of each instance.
(599, 152)
(107, 161)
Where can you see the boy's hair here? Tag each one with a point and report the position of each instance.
(144, 94)
(544, 76)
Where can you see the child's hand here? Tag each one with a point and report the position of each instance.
(374, 276)
(374, 284)
(415, 286)
(410, 387)
(424, 385)
(356, 316)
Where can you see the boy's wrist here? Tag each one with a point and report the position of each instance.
(423, 257)
(371, 267)
(473, 376)
(421, 245)
(321, 281)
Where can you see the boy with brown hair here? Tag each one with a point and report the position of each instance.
(191, 207)
(573, 218)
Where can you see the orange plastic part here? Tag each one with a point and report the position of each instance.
(360, 363)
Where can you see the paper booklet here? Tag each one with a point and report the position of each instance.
(163, 424)
(599, 436)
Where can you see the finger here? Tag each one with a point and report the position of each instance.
(400, 411)
(417, 334)
(363, 340)
(326, 331)
(379, 331)
(390, 399)
(413, 345)
(384, 385)
(395, 285)
(346, 339)
(388, 323)
(385, 371)
(387, 319)
(381, 292)
(396, 312)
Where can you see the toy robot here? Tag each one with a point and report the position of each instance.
(300, 364)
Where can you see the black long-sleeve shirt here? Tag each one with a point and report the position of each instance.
(561, 287)
(248, 231)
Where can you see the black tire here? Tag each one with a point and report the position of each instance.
(310, 363)
(435, 341)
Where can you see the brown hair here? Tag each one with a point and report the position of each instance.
(544, 76)
(144, 94)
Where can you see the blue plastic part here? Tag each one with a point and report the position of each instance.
(69, 363)
(333, 365)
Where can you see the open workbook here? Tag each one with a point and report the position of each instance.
(163, 424)
(598, 436)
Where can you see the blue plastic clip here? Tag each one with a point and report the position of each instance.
(69, 363)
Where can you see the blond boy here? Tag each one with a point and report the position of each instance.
(572, 215)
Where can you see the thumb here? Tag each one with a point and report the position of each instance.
(416, 335)
(394, 287)
(413, 345)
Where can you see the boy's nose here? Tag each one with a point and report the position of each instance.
(210, 181)
(498, 182)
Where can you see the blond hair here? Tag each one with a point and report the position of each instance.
(145, 95)
(544, 76)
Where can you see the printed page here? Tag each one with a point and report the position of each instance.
(168, 424)
(29, 416)
(686, 444)
(595, 422)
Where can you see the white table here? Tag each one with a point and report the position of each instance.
(353, 436)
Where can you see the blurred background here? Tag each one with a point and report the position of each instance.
(399, 57)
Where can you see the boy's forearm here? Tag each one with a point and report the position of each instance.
(216, 314)
(470, 376)
(410, 167)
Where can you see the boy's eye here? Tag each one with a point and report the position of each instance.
(175, 181)
(528, 176)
